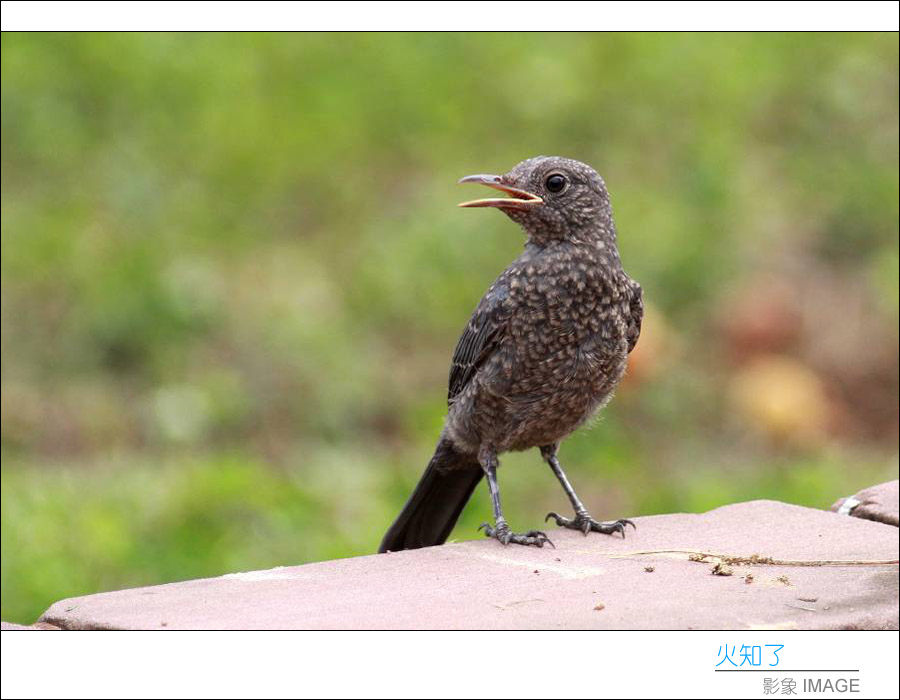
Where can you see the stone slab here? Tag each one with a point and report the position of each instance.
(13, 627)
(881, 503)
(594, 582)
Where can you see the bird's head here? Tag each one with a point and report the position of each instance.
(551, 198)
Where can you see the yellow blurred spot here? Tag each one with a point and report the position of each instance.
(781, 397)
(654, 349)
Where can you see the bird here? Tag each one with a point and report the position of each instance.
(543, 351)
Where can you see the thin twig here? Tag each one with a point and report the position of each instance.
(757, 559)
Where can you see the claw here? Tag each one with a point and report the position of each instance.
(541, 537)
(504, 536)
(617, 526)
(586, 524)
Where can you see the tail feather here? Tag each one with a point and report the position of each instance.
(437, 501)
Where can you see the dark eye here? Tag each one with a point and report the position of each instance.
(555, 183)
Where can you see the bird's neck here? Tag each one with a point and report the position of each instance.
(595, 227)
(600, 235)
(596, 249)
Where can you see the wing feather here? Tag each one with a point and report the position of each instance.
(481, 336)
(637, 315)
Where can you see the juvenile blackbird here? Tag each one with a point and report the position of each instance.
(543, 351)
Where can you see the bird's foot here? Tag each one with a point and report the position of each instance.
(502, 534)
(585, 523)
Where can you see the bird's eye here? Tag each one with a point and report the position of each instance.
(555, 183)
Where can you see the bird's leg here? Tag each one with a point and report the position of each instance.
(500, 530)
(582, 520)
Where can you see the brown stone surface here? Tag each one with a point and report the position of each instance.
(587, 582)
(13, 627)
(881, 503)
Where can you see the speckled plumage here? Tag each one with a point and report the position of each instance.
(544, 349)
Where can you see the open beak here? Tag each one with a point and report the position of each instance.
(518, 199)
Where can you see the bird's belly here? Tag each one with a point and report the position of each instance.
(540, 386)
(563, 391)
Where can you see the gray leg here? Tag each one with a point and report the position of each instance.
(500, 531)
(582, 520)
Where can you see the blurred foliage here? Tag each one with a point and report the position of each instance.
(233, 275)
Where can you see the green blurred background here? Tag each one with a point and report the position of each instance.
(233, 274)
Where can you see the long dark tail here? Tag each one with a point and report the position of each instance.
(434, 506)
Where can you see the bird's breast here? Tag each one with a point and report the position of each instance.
(569, 304)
